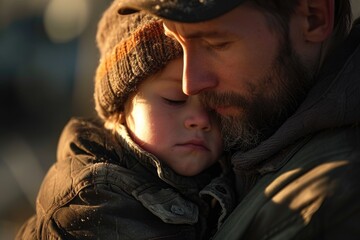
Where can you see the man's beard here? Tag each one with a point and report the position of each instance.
(264, 113)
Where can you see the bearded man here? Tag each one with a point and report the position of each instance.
(283, 78)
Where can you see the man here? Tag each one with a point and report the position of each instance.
(283, 77)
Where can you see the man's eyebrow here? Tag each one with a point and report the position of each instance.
(205, 34)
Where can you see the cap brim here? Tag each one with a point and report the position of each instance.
(180, 10)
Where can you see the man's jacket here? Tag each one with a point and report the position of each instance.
(304, 181)
(104, 186)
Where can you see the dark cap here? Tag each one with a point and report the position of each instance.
(180, 10)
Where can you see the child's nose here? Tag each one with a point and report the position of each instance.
(198, 119)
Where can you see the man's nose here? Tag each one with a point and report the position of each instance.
(197, 76)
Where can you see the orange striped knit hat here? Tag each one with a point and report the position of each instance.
(132, 47)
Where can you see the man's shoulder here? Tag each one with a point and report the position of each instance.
(332, 145)
(330, 159)
(318, 186)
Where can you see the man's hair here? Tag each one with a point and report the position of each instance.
(282, 11)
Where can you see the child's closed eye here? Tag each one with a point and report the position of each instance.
(175, 102)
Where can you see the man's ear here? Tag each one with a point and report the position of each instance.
(319, 19)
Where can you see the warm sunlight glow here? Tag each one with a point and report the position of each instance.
(65, 19)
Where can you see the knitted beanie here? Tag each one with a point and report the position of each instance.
(132, 48)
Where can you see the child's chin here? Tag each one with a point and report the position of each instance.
(189, 171)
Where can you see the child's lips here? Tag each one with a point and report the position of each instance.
(194, 144)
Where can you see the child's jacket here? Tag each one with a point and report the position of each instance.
(104, 186)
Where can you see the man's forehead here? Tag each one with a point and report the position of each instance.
(174, 28)
(190, 31)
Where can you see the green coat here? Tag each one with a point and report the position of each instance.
(314, 195)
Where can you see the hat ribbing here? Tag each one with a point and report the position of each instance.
(132, 48)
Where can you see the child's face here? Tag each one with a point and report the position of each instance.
(171, 125)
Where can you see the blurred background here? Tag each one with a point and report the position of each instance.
(48, 58)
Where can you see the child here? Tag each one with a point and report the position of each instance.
(155, 170)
